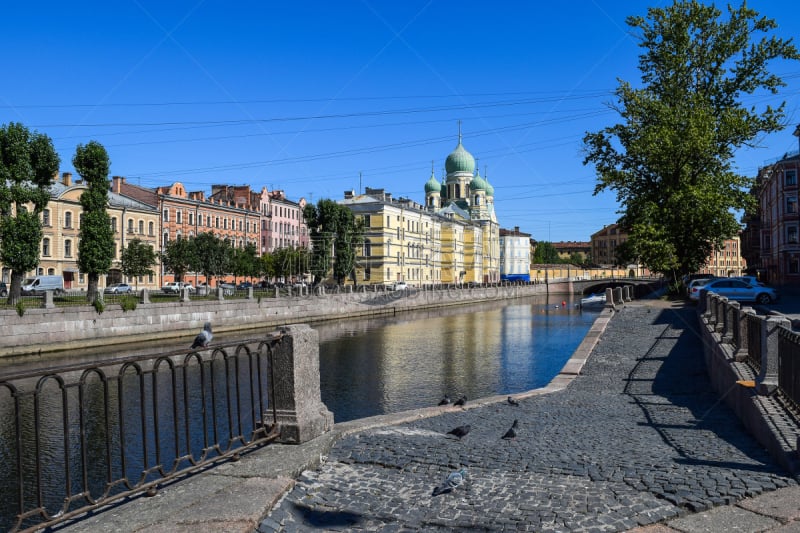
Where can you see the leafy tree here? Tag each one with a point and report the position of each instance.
(244, 261)
(545, 254)
(95, 237)
(28, 163)
(336, 235)
(177, 257)
(138, 259)
(212, 255)
(670, 160)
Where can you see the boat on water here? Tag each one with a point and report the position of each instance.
(594, 300)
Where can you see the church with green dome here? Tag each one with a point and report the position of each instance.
(467, 198)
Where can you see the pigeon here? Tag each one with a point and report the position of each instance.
(512, 431)
(461, 401)
(512, 401)
(460, 431)
(203, 338)
(453, 480)
(445, 400)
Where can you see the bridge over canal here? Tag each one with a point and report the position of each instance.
(642, 286)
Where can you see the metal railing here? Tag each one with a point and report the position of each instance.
(789, 367)
(77, 437)
(754, 342)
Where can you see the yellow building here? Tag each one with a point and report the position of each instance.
(61, 222)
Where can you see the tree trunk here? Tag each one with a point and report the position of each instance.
(15, 290)
(91, 288)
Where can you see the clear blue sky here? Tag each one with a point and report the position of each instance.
(305, 96)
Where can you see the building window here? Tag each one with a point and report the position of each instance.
(794, 266)
(179, 217)
(46, 217)
(114, 224)
(166, 215)
(791, 178)
(791, 204)
(191, 219)
(150, 229)
(791, 234)
(141, 227)
(130, 225)
(367, 248)
(45, 247)
(68, 248)
(67, 219)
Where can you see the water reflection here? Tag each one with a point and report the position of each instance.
(378, 366)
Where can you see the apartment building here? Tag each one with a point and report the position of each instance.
(515, 258)
(774, 230)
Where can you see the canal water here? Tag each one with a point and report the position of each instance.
(387, 365)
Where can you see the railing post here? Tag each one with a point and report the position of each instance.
(300, 413)
(277, 292)
(47, 300)
(741, 325)
(249, 293)
(627, 293)
(609, 296)
(731, 326)
(767, 380)
(184, 295)
(722, 315)
(145, 298)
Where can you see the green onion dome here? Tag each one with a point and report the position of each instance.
(432, 185)
(459, 160)
(478, 183)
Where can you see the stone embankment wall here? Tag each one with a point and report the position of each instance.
(45, 330)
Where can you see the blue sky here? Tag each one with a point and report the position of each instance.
(316, 98)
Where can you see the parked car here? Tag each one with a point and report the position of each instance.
(41, 284)
(751, 280)
(243, 286)
(695, 285)
(174, 287)
(118, 288)
(299, 284)
(228, 288)
(3, 289)
(736, 289)
(400, 286)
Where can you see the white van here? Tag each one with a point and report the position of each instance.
(40, 284)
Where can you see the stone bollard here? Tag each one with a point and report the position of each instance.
(47, 300)
(742, 324)
(705, 297)
(722, 307)
(609, 297)
(220, 293)
(145, 296)
(184, 295)
(249, 293)
(301, 415)
(618, 296)
(767, 380)
(731, 323)
(627, 293)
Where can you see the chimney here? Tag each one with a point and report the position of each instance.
(66, 178)
(116, 184)
(349, 194)
(516, 230)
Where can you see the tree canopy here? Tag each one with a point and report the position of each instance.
(28, 162)
(670, 159)
(336, 235)
(138, 259)
(95, 237)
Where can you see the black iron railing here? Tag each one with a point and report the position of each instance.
(81, 436)
(789, 367)
(754, 342)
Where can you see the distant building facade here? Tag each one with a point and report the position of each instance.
(726, 261)
(515, 257)
(604, 245)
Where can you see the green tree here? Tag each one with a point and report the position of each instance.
(336, 235)
(138, 259)
(212, 255)
(670, 160)
(28, 163)
(177, 257)
(95, 237)
(244, 261)
(545, 254)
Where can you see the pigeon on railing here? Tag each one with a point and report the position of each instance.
(453, 480)
(445, 400)
(461, 401)
(512, 401)
(203, 338)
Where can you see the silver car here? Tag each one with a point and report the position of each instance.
(736, 289)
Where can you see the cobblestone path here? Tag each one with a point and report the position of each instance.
(638, 438)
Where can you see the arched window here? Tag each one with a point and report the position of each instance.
(141, 227)
(150, 229)
(45, 247)
(46, 217)
(130, 225)
(68, 248)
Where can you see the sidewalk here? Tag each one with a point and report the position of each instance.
(629, 439)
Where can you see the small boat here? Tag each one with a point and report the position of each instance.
(594, 300)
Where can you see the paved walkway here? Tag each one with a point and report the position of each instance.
(628, 437)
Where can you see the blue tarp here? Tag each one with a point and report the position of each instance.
(515, 277)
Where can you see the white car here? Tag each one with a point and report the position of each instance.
(174, 287)
(400, 286)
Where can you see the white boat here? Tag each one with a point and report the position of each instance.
(594, 300)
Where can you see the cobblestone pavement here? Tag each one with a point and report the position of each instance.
(637, 438)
